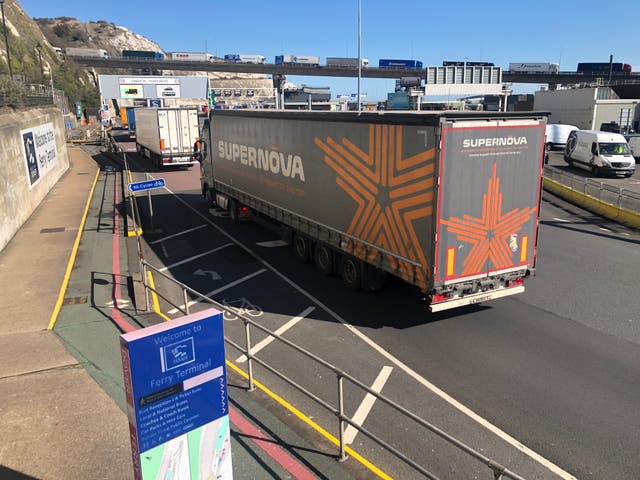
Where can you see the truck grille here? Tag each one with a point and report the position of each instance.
(619, 164)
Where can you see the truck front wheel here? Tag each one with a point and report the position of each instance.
(210, 197)
(351, 272)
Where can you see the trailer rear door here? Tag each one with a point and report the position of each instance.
(488, 198)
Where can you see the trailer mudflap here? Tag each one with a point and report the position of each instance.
(475, 298)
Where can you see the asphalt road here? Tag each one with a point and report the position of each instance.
(556, 368)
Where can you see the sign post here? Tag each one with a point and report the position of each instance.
(147, 185)
(176, 388)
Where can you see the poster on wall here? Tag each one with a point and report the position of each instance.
(39, 150)
(176, 389)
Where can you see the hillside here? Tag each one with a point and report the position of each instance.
(26, 34)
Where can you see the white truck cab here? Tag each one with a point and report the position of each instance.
(599, 152)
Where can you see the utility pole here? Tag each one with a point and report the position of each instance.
(6, 39)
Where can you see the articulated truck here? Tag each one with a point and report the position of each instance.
(167, 135)
(446, 201)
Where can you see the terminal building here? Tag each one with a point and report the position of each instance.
(589, 108)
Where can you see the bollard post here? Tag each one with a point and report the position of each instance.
(343, 454)
(247, 336)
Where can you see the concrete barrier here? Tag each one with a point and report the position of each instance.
(607, 210)
(34, 157)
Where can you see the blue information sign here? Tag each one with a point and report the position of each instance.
(176, 388)
(146, 185)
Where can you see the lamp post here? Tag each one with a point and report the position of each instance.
(6, 39)
(39, 48)
(359, 60)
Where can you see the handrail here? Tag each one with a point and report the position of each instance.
(499, 471)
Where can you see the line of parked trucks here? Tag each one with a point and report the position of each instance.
(591, 68)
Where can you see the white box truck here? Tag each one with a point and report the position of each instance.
(167, 135)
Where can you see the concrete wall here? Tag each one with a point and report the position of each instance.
(20, 191)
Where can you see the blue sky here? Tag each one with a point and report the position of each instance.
(566, 32)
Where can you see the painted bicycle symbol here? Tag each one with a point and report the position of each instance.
(240, 306)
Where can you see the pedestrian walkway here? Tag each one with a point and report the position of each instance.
(62, 406)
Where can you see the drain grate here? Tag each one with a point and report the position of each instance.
(74, 300)
(52, 230)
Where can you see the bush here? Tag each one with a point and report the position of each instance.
(11, 93)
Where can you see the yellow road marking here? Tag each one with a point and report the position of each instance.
(154, 297)
(72, 258)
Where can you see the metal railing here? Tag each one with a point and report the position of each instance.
(498, 471)
(618, 197)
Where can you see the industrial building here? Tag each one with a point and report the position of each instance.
(589, 108)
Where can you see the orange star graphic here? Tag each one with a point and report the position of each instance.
(390, 191)
(489, 234)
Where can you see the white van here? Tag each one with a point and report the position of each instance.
(634, 144)
(556, 134)
(599, 152)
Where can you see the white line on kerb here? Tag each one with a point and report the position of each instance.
(190, 259)
(221, 289)
(605, 229)
(561, 220)
(367, 404)
(160, 240)
(263, 343)
(408, 370)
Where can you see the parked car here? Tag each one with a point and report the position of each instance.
(599, 152)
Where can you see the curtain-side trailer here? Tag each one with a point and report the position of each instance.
(167, 135)
(447, 201)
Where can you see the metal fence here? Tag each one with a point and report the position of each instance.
(618, 197)
(32, 95)
(336, 408)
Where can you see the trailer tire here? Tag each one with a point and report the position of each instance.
(323, 257)
(351, 273)
(301, 248)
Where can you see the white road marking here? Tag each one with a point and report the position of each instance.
(408, 370)
(272, 243)
(626, 234)
(561, 220)
(367, 404)
(221, 289)
(263, 343)
(160, 240)
(203, 273)
(605, 229)
(163, 247)
(190, 259)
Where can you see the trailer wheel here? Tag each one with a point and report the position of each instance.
(323, 256)
(351, 272)
(301, 247)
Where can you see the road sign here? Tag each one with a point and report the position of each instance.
(146, 185)
(176, 390)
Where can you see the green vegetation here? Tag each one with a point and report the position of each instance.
(66, 77)
(11, 93)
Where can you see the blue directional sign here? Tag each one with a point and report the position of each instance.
(146, 185)
(176, 389)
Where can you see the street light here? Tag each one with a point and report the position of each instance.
(6, 39)
(39, 48)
